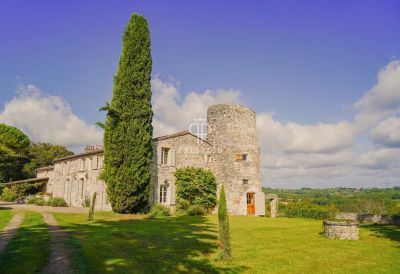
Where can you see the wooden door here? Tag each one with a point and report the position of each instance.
(251, 203)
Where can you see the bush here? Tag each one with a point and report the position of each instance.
(305, 210)
(159, 211)
(195, 210)
(8, 195)
(57, 202)
(39, 201)
(195, 186)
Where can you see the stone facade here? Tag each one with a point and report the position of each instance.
(231, 152)
(342, 230)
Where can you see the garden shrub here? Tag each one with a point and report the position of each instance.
(39, 201)
(57, 202)
(195, 186)
(305, 210)
(8, 195)
(159, 211)
(195, 210)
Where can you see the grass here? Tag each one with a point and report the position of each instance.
(115, 243)
(27, 251)
(5, 217)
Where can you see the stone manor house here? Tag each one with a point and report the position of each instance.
(230, 151)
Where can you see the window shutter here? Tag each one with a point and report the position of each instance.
(158, 155)
(172, 157)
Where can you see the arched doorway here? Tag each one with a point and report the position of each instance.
(251, 203)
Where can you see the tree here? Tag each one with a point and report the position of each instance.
(13, 148)
(128, 129)
(223, 220)
(195, 186)
(43, 154)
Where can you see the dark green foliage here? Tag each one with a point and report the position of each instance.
(224, 233)
(195, 186)
(159, 211)
(91, 210)
(42, 154)
(128, 128)
(57, 202)
(13, 150)
(196, 210)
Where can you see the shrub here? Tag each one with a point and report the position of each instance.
(196, 210)
(39, 201)
(8, 195)
(195, 186)
(305, 210)
(159, 211)
(57, 202)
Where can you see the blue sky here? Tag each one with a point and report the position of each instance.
(307, 62)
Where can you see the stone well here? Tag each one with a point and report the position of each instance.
(342, 229)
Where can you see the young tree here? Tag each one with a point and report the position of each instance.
(224, 234)
(195, 187)
(128, 129)
(13, 150)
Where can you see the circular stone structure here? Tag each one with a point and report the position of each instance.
(232, 132)
(342, 229)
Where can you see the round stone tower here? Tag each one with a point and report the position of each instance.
(232, 133)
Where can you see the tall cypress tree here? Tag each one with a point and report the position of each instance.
(128, 129)
(223, 220)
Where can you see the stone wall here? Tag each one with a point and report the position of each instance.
(185, 150)
(365, 218)
(76, 179)
(342, 230)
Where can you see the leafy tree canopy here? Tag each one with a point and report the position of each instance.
(195, 186)
(43, 154)
(13, 147)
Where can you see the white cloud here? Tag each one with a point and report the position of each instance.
(383, 100)
(296, 138)
(380, 158)
(173, 113)
(387, 132)
(46, 118)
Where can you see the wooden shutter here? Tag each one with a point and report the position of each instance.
(172, 157)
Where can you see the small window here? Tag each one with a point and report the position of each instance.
(242, 157)
(245, 181)
(94, 162)
(164, 155)
(208, 158)
(163, 193)
(82, 163)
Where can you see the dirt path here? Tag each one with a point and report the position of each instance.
(10, 230)
(59, 260)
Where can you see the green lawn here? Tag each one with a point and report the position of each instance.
(131, 244)
(27, 251)
(5, 217)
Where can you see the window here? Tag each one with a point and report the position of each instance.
(163, 193)
(94, 162)
(242, 157)
(82, 164)
(65, 168)
(164, 155)
(245, 181)
(82, 187)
